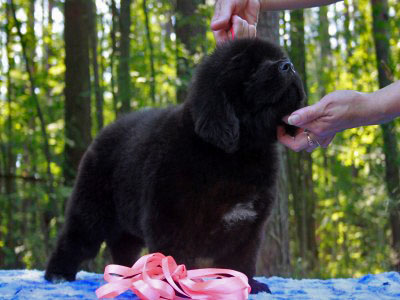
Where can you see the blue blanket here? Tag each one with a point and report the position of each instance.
(24, 285)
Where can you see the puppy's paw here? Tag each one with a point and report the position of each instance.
(258, 287)
(58, 278)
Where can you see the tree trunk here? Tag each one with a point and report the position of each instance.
(124, 78)
(190, 34)
(3, 159)
(301, 163)
(347, 31)
(151, 57)
(10, 161)
(381, 38)
(268, 26)
(47, 33)
(113, 32)
(77, 84)
(30, 34)
(98, 89)
(47, 46)
(325, 51)
(274, 258)
(102, 60)
(324, 78)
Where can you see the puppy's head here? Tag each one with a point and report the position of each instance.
(241, 92)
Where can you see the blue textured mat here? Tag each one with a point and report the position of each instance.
(24, 285)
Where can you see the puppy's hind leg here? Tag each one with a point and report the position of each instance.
(88, 219)
(75, 244)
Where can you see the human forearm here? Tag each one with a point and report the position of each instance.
(268, 5)
(385, 103)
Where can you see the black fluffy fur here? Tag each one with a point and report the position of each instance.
(195, 181)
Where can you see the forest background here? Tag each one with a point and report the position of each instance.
(68, 68)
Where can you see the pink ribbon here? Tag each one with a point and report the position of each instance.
(155, 276)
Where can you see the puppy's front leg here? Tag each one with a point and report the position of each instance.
(258, 287)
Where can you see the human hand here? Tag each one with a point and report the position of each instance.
(241, 15)
(335, 112)
(303, 139)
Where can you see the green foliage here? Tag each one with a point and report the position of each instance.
(353, 225)
(353, 232)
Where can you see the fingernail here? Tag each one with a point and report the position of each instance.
(293, 120)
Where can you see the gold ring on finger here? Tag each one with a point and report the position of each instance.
(311, 142)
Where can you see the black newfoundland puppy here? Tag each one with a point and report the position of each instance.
(195, 181)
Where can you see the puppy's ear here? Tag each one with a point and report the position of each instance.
(216, 123)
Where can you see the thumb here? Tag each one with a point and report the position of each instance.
(222, 15)
(305, 115)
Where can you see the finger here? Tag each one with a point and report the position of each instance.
(252, 31)
(250, 14)
(285, 119)
(222, 15)
(306, 114)
(222, 36)
(239, 26)
(313, 142)
(296, 143)
(325, 143)
(311, 148)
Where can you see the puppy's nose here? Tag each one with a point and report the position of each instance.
(286, 66)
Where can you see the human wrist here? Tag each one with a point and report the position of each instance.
(274, 5)
(389, 99)
(378, 108)
(370, 110)
(263, 5)
(385, 103)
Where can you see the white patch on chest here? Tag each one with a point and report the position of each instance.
(239, 213)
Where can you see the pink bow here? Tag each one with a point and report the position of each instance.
(155, 276)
